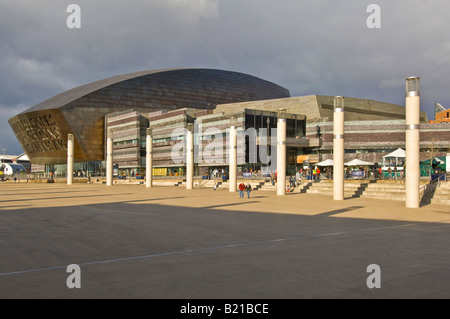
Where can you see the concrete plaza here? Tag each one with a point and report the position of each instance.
(169, 242)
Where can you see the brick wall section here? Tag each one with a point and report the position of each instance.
(381, 135)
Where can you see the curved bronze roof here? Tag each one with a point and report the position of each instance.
(255, 88)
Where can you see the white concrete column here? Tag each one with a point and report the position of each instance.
(149, 160)
(412, 172)
(189, 159)
(338, 148)
(70, 158)
(232, 165)
(281, 156)
(109, 162)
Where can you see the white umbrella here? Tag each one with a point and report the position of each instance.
(358, 162)
(328, 162)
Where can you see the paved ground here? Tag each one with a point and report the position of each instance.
(132, 242)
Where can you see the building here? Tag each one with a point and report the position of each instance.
(441, 114)
(208, 102)
(21, 159)
(128, 131)
(211, 134)
(371, 140)
(11, 169)
(42, 130)
(370, 134)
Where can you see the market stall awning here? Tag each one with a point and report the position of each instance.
(328, 162)
(397, 153)
(436, 160)
(358, 162)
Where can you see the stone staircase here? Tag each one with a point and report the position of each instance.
(325, 187)
(380, 189)
(267, 186)
(167, 183)
(385, 190)
(256, 185)
(442, 194)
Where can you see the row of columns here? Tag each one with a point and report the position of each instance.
(412, 137)
(281, 159)
(412, 151)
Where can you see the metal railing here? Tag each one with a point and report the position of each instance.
(427, 190)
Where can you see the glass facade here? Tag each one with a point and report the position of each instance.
(295, 128)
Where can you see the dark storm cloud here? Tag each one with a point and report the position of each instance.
(310, 47)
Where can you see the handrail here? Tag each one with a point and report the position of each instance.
(438, 179)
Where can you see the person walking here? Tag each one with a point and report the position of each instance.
(248, 188)
(298, 178)
(241, 190)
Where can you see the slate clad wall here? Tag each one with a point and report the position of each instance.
(363, 137)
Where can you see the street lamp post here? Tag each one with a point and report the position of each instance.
(232, 169)
(281, 152)
(338, 149)
(149, 159)
(70, 158)
(190, 156)
(109, 162)
(412, 169)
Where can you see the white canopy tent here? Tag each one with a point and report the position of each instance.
(328, 162)
(397, 153)
(358, 162)
(396, 158)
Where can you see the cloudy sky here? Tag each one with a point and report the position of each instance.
(310, 47)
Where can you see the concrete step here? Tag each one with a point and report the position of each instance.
(444, 185)
(346, 184)
(167, 183)
(351, 188)
(256, 185)
(329, 192)
(384, 196)
(443, 195)
(369, 190)
(268, 188)
(384, 187)
(325, 187)
(440, 201)
(443, 190)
